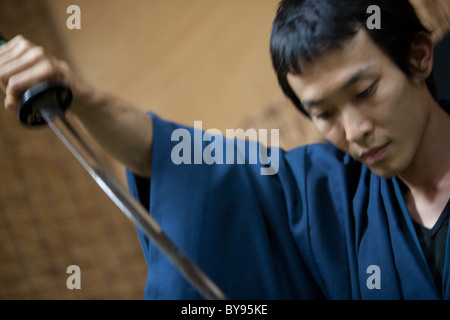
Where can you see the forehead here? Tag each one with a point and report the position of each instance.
(337, 66)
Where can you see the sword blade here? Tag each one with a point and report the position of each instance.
(57, 121)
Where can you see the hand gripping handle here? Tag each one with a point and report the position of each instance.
(48, 94)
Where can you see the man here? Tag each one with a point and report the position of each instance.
(362, 217)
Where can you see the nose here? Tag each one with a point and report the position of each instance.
(356, 125)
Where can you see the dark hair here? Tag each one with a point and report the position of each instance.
(304, 29)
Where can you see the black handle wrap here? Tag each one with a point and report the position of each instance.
(44, 94)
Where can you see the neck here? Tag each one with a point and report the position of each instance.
(431, 164)
(427, 179)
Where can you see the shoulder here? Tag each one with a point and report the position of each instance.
(320, 157)
(324, 174)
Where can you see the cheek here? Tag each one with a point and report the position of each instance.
(334, 134)
(393, 101)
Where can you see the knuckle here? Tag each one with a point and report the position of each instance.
(37, 53)
(14, 86)
(19, 38)
(48, 69)
(23, 44)
(3, 76)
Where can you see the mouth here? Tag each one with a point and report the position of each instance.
(374, 155)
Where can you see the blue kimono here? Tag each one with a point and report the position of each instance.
(323, 227)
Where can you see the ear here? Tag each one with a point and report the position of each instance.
(421, 56)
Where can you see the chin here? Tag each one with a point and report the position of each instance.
(385, 171)
(384, 174)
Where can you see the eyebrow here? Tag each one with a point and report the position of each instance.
(307, 104)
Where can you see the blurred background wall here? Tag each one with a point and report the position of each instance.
(185, 60)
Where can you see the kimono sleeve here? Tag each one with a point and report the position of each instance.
(228, 218)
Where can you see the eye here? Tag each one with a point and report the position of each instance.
(366, 93)
(326, 115)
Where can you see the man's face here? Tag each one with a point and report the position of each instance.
(364, 104)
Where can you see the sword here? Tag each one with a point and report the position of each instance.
(46, 103)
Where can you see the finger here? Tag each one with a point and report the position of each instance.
(14, 48)
(11, 103)
(10, 52)
(20, 64)
(20, 82)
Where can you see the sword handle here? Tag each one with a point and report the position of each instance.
(45, 94)
(2, 40)
(42, 94)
